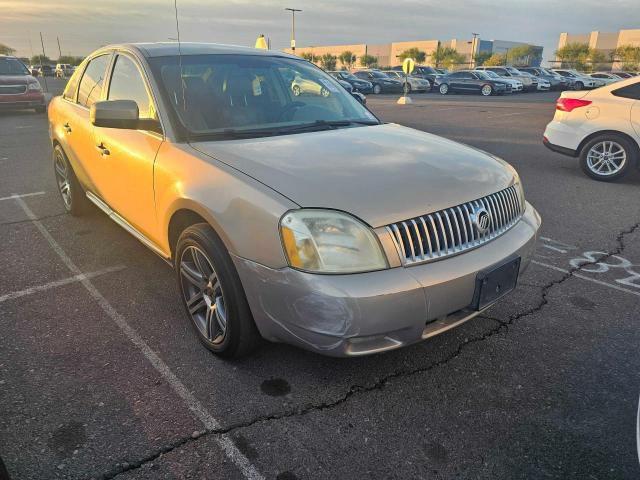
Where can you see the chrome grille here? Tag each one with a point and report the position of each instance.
(453, 230)
(12, 89)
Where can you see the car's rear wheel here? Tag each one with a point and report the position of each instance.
(377, 89)
(486, 90)
(212, 293)
(73, 196)
(579, 86)
(444, 89)
(607, 157)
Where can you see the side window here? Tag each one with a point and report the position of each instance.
(72, 85)
(127, 84)
(630, 91)
(92, 81)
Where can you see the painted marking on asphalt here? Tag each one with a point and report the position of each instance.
(505, 115)
(58, 283)
(16, 196)
(227, 445)
(588, 279)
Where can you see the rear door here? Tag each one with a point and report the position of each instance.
(631, 94)
(126, 157)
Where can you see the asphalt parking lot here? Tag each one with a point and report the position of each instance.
(102, 377)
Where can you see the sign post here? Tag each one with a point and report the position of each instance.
(407, 67)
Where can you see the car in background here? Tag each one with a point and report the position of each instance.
(381, 82)
(63, 70)
(606, 77)
(472, 81)
(45, 70)
(580, 80)
(19, 89)
(303, 220)
(600, 127)
(349, 88)
(516, 85)
(624, 74)
(557, 82)
(543, 84)
(358, 84)
(510, 72)
(414, 84)
(422, 71)
(301, 85)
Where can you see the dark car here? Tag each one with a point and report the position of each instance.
(18, 88)
(380, 81)
(466, 81)
(558, 82)
(358, 84)
(355, 94)
(428, 73)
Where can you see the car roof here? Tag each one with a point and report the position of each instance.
(164, 49)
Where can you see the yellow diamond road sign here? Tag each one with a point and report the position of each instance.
(408, 65)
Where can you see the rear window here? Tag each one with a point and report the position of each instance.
(630, 91)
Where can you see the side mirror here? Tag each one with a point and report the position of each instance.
(122, 114)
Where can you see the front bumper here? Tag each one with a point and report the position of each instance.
(23, 100)
(359, 314)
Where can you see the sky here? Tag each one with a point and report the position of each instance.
(84, 25)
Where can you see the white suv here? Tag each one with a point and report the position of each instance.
(600, 127)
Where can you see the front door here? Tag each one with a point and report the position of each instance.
(126, 157)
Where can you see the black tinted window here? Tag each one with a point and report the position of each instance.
(630, 91)
(127, 84)
(92, 81)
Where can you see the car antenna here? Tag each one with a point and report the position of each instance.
(184, 102)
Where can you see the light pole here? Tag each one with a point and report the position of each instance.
(293, 27)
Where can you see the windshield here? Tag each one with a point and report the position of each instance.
(485, 75)
(349, 76)
(377, 74)
(488, 73)
(232, 95)
(12, 66)
(513, 71)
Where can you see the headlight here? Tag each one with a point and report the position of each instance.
(34, 87)
(326, 241)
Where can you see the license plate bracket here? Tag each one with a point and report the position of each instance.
(495, 282)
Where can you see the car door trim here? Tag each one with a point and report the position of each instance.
(98, 202)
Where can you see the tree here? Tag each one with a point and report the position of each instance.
(579, 55)
(628, 56)
(481, 57)
(40, 59)
(6, 49)
(495, 60)
(70, 59)
(522, 55)
(418, 55)
(328, 61)
(446, 57)
(347, 59)
(368, 61)
(310, 57)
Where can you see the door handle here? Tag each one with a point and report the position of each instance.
(102, 149)
(67, 127)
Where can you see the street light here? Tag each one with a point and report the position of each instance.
(293, 27)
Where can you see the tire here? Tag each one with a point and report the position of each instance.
(377, 89)
(41, 109)
(486, 90)
(73, 196)
(217, 297)
(618, 147)
(579, 86)
(443, 89)
(296, 90)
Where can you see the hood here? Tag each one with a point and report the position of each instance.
(381, 173)
(16, 79)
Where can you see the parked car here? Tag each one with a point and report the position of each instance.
(301, 85)
(623, 74)
(380, 81)
(606, 77)
(414, 84)
(557, 82)
(542, 84)
(63, 70)
(510, 72)
(292, 218)
(45, 70)
(468, 81)
(580, 81)
(18, 88)
(422, 71)
(359, 85)
(600, 127)
(516, 85)
(349, 88)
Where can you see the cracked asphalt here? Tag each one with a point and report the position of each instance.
(544, 385)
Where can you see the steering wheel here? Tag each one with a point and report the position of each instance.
(293, 106)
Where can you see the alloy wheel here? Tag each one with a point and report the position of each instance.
(203, 294)
(486, 90)
(62, 178)
(606, 158)
(444, 89)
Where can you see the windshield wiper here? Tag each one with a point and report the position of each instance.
(326, 124)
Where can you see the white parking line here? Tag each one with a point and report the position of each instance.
(15, 196)
(210, 423)
(588, 279)
(58, 283)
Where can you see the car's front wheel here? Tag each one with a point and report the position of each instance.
(444, 89)
(579, 86)
(212, 293)
(486, 90)
(377, 89)
(73, 196)
(607, 157)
